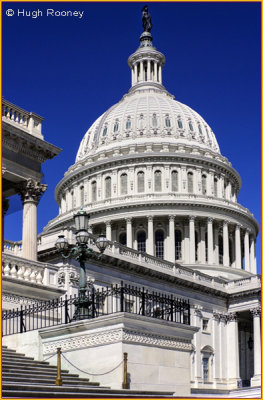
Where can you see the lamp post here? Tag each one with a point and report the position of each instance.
(81, 252)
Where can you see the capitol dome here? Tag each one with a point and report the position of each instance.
(150, 173)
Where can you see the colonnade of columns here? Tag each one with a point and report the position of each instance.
(203, 240)
(146, 70)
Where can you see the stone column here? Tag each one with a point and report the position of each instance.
(232, 351)
(150, 244)
(155, 71)
(186, 256)
(108, 230)
(160, 74)
(171, 242)
(210, 243)
(253, 266)
(135, 73)
(202, 243)
(192, 239)
(237, 247)
(129, 232)
(255, 381)
(30, 193)
(225, 244)
(216, 251)
(246, 251)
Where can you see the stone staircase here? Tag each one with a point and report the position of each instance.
(23, 377)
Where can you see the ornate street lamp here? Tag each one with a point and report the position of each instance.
(81, 252)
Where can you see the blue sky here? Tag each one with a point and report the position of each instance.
(70, 70)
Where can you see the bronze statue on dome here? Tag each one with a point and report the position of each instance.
(146, 20)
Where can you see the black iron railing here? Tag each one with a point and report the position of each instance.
(98, 302)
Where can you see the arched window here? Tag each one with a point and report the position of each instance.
(116, 126)
(191, 126)
(141, 241)
(220, 249)
(190, 182)
(178, 245)
(123, 238)
(196, 246)
(128, 123)
(167, 121)
(203, 184)
(105, 130)
(82, 196)
(200, 130)
(140, 181)
(94, 191)
(174, 181)
(124, 184)
(154, 121)
(158, 181)
(215, 187)
(180, 124)
(108, 187)
(141, 122)
(159, 240)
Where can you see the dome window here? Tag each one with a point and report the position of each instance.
(124, 184)
(178, 245)
(167, 121)
(141, 241)
(108, 187)
(123, 238)
(105, 130)
(140, 181)
(159, 244)
(174, 181)
(190, 182)
(154, 121)
(158, 181)
(204, 184)
(116, 126)
(94, 191)
(128, 123)
(180, 124)
(191, 126)
(215, 187)
(200, 130)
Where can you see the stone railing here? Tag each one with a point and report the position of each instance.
(30, 271)
(251, 282)
(14, 248)
(27, 120)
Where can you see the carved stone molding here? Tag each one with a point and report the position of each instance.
(115, 336)
(31, 190)
(198, 310)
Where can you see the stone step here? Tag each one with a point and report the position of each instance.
(48, 380)
(22, 362)
(45, 374)
(32, 369)
(14, 356)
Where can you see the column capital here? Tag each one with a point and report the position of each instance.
(238, 226)
(128, 220)
(108, 223)
(31, 191)
(192, 217)
(210, 220)
(171, 217)
(232, 316)
(256, 311)
(225, 222)
(150, 218)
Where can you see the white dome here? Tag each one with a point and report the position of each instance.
(144, 115)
